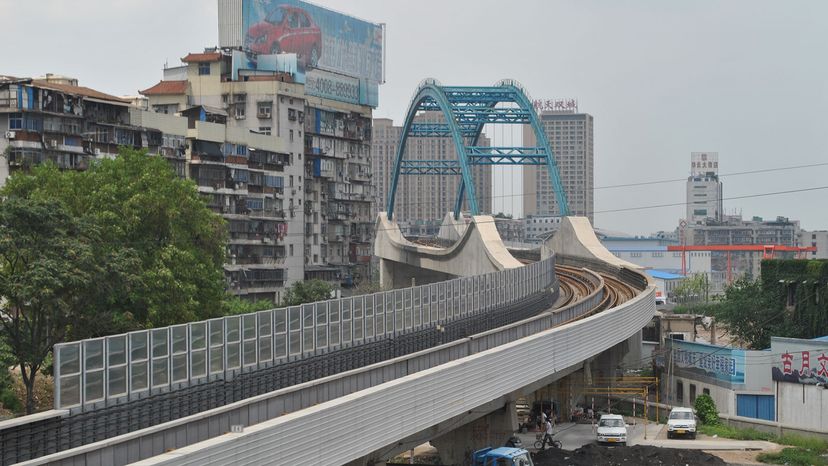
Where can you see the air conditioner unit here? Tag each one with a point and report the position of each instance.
(54, 143)
(10, 134)
(97, 151)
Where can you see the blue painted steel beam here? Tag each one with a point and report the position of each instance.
(466, 109)
(430, 167)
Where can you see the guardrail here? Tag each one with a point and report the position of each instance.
(100, 372)
(185, 431)
(529, 348)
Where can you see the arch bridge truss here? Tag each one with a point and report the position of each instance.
(466, 110)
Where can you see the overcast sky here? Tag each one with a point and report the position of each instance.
(748, 79)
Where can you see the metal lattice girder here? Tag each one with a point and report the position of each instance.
(438, 130)
(430, 167)
(465, 111)
(485, 155)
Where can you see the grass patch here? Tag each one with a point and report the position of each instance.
(726, 431)
(793, 457)
(802, 451)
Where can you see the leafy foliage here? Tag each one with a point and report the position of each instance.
(233, 305)
(125, 245)
(307, 291)
(705, 408)
(790, 300)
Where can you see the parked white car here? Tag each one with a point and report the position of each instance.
(612, 429)
(681, 421)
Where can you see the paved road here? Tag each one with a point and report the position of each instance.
(573, 436)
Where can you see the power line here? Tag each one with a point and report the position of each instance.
(397, 205)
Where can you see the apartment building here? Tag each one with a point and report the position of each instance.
(570, 137)
(422, 201)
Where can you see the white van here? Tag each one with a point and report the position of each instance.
(612, 429)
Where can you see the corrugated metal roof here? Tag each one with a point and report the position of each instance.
(662, 275)
(78, 90)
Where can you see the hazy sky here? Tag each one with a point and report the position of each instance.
(748, 79)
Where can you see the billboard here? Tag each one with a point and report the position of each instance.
(800, 361)
(320, 38)
(716, 362)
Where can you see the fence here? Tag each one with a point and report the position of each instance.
(99, 372)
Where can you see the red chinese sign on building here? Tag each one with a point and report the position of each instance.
(798, 365)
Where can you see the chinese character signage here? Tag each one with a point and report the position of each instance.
(702, 163)
(320, 38)
(717, 362)
(555, 105)
(800, 361)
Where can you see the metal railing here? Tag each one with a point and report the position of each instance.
(99, 372)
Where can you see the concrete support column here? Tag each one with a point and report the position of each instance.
(492, 430)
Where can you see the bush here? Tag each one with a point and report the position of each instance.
(706, 410)
(793, 457)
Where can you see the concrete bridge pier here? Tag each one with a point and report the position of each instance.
(491, 430)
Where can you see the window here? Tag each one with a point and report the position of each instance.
(692, 392)
(263, 109)
(240, 112)
(706, 391)
(203, 69)
(290, 133)
(635, 254)
(16, 121)
(264, 130)
(679, 391)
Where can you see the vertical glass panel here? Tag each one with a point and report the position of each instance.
(160, 372)
(93, 352)
(265, 335)
(307, 315)
(198, 336)
(179, 339)
(180, 368)
(280, 346)
(426, 304)
(249, 353)
(216, 359)
(280, 321)
(233, 351)
(417, 306)
(295, 315)
(389, 312)
(117, 381)
(139, 376)
(265, 348)
(216, 331)
(70, 390)
(199, 363)
(399, 321)
(160, 344)
(115, 349)
(322, 325)
(346, 320)
(94, 384)
(138, 345)
(232, 329)
(334, 336)
(295, 342)
(369, 316)
(307, 339)
(441, 299)
(249, 324)
(379, 313)
(357, 313)
(408, 300)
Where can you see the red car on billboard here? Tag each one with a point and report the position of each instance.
(287, 29)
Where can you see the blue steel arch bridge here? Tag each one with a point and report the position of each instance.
(466, 111)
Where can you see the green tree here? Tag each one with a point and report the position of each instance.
(144, 213)
(233, 305)
(749, 313)
(694, 288)
(307, 291)
(47, 263)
